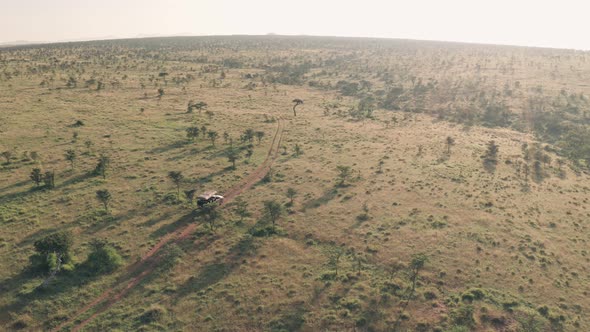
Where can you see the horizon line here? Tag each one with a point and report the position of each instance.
(23, 43)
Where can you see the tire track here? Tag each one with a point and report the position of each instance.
(146, 265)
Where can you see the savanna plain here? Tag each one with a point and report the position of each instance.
(369, 185)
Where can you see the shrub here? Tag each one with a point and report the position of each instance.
(152, 315)
(103, 258)
(22, 322)
(463, 315)
(429, 295)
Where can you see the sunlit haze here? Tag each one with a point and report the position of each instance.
(560, 24)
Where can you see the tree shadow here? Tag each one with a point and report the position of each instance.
(11, 284)
(152, 221)
(215, 272)
(173, 226)
(490, 165)
(208, 178)
(166, 148)
(20, 194)
(75, 179)
(329, 195)
(63, 282)
(15, 185)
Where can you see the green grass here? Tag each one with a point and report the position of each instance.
(497, 253)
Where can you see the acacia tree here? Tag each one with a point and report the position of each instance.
(102, 166)
(273, 211)
(417, 263)
(291, 193)
(344, 173)
(199, 106)
(71, 157)
(104, 196)
(259, 136)
(297, 102)
(177, 178)
(248, 135)
(212, 136)
(36, 176)
(49, 179)
(335, 254)
(249, 152)
(192, 133)
(7, 155)
(232, 156)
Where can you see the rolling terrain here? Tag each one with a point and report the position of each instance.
(421, 186)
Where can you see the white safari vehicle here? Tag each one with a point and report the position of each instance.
(209, 197)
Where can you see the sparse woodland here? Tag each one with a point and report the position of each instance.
(371, 185)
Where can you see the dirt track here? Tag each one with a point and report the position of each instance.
(136, 272)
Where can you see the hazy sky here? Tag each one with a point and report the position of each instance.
(562, 23)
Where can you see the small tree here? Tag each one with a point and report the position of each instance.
(297, 150)
(249, 151)
(212, 136)
(417, 263)
(450, 142)
(49, 179)
(274, 211)
(160, 93)
(88, 143)
(192, 133)
(71, 157)
(232, 156)
(297, 103)
(7, 155)
(204, 130)
(225, 137)
(104, 196)
(344, 173)
(490, 159)
(199, 106)
(102, 166)
(259, 136)
(177, 178)
(335, 254)
(248, 135)
(291, 193)
(492, 151)
(380, 166)
(36, 176)
(211, 214)
(241, 208)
